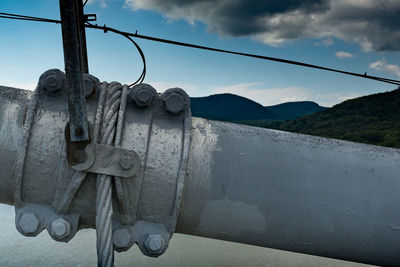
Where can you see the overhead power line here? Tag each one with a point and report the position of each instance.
(183, 44)
(281, 60)
(29, 18)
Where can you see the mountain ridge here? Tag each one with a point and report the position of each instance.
(371, 119)
(234, 108)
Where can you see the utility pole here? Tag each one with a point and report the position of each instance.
(75, 58)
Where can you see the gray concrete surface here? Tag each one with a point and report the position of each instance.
(184, 250)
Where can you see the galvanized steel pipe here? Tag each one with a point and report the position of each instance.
(269, 188)
(293, 192)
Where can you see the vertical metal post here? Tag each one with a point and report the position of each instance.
(73, 69)
(82, 38)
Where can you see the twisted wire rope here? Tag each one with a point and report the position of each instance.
(105, 130)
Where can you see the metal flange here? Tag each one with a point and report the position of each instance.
(152, 151)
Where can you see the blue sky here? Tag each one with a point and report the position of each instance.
(322, 32)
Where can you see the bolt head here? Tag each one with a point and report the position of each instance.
(142, 95)
(143, 98)
(89, 86)
(54, 84)
(79, 131)
(126, 162)
(60, 228)
(174, 103)
(121, 238)
(80, 156)
(154, 243)
(29, 223)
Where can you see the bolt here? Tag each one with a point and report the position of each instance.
(121, 238)
(80, 156)
(154, 243)
(126, 162)
(142, 95)
(174, 103)
(79, 131)
(53, 84)
(89, 86)
(60, 228)
(29, 223)
(143, 98)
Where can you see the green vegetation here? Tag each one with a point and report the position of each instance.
(373, 119)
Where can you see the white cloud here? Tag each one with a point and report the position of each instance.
(329, 100)
(102, 3)
(265, 97)
(382, 65)
(328, 41)
(343, 54)
(371, 23)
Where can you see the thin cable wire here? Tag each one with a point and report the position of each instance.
(85, 2)
(29, 18)
(281, 60)
(172, 42)
(143, 74)
(38, 19)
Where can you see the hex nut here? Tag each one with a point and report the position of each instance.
(28, 223)
(60, 228)
(142, 95)
(90, 84)
(121, 238)
(53, 82)
(154, 243)
(143, 98)
(174, 103)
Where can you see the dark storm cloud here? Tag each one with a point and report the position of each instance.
(375, 24)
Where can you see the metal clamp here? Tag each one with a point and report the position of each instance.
(54, 189)
(103, 159)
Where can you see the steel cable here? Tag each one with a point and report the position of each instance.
(106, 126)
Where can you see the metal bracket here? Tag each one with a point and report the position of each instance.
(109, 160)
(90, 17)
(103, 159)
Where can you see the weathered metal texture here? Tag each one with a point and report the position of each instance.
(245, 184)
(74, 58)
(13, 105)
(34, 166)
(114, 161)
(161, 140)
(82, 37)
(294, 192)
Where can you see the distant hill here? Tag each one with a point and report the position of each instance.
(373, 119)
(234, 108)
(293, 110)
